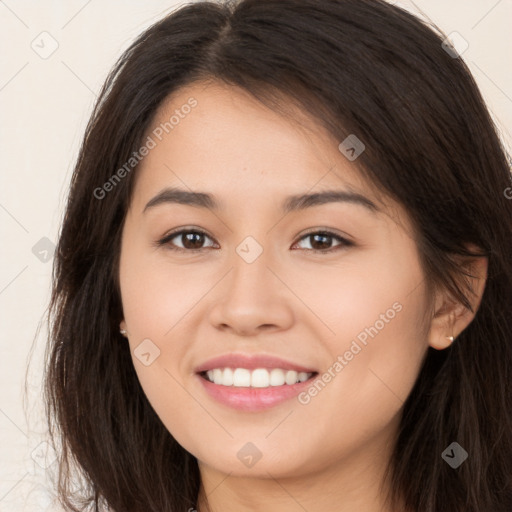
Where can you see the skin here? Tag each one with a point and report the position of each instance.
(329, 454)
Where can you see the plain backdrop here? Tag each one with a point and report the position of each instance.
(54, 58)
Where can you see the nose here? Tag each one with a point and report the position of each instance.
(252, 298)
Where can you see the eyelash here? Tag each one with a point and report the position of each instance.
(167, 238)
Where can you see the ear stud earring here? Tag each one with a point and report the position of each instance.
(450, 338)
(123, 332)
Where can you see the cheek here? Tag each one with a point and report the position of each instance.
(375, 311)
(152, 304)
(378, 347)
(156, 294)
(155, 306)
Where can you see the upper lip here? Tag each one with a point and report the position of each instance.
(251, 362)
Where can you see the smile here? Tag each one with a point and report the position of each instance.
(253, 390)
(253, 382)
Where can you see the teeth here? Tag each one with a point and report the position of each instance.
(227, 377)
(259, 378)
(241, 377)
(277, 377)
(217, 376)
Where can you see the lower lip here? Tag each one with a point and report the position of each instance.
(253, 399)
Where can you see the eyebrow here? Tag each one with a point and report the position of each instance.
(290, 204)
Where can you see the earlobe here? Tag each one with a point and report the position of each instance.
(442, 344)
(122, 329)
(442, 333)
(451, 317)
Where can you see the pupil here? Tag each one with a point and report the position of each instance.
(322, 245)
(195, 244)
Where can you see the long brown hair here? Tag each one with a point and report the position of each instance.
(356, 66)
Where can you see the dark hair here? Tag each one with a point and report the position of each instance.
(359, 67)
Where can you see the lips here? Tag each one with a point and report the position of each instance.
(273, 380)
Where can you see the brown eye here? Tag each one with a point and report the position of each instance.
(191, 240)
(321, 241)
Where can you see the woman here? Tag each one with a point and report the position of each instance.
(283, 280)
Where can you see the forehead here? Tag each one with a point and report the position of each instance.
(215, 137)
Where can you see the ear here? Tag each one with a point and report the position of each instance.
(451, 317)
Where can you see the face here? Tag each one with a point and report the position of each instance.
(330, 289)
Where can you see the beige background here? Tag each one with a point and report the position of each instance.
(45, 103)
